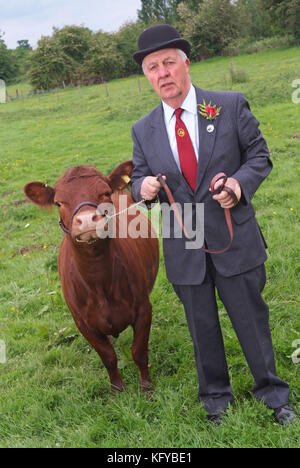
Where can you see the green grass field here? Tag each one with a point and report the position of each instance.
(54, 391)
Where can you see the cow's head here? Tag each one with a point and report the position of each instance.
(77, 194)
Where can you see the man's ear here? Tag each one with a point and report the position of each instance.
(40, 194)
(119, 179)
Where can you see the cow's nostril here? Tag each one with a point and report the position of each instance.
(95, 218)
(86, 221)
(78, 221)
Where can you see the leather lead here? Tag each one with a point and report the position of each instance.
(219, 176)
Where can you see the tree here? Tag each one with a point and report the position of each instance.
(146, 13)
(22, 58)
(50, 66)
(210, 29)
(8, 66)
(24, 44)
(277, 10)
(73, 41)
(193, 4)
(293, 19)
(126, 41)
(253, 21)
(103, 60)
(165, 11)
(58, 59)
(285, 16)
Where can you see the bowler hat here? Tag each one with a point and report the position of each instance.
(161, 36)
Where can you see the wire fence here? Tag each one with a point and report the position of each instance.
(18, 95)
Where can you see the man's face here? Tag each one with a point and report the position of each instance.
(168, 74)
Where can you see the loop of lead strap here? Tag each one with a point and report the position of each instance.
(220, 176)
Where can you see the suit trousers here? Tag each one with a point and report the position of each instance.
(249, 315)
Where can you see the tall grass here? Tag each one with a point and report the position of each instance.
(54, 390)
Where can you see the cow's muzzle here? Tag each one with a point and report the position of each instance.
(83, 225)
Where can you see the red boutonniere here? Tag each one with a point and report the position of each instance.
(209, 111)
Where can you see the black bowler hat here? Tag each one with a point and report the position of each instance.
(161, 36)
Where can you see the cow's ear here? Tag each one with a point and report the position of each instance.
(40, 194)
(119, 179)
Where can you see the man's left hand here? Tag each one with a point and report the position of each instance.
(224, 197)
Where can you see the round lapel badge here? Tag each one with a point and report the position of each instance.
(181, 132)
(210, 128)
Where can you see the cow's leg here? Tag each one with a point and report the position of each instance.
(141, 329)
(109, 358)
(103, 346)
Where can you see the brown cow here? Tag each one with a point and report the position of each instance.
(106, 281)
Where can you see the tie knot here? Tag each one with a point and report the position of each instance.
(178, 112)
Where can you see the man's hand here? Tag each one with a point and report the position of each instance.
(150, 188)
(224, 198)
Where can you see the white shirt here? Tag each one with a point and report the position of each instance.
(189, 117)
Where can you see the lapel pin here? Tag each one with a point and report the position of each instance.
(210, 128)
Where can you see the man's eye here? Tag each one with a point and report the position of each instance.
(59, 204)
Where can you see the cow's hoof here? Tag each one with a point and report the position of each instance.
(115, 389)
(147, 388)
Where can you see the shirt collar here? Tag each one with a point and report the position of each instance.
(189, 104)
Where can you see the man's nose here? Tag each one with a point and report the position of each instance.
(163, 71)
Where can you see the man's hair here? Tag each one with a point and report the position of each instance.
(179, 51)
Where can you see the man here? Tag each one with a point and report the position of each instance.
(189, 145)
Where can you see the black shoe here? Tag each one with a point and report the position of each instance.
(285, 415)
(216, 419)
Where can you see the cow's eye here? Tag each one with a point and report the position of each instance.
(59, 204)
(107, 194)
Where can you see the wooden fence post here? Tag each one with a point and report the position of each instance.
(106, 88)
(139, 85)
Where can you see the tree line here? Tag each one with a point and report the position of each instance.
(75, 54)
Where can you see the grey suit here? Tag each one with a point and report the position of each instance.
(236, 147)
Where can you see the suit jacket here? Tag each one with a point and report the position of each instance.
(236, 147)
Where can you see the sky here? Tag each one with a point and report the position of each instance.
(30, 19)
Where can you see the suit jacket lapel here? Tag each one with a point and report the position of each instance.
(206, 140)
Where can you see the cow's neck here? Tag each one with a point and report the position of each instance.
(95, 264)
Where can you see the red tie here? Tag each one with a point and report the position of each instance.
(187, 157)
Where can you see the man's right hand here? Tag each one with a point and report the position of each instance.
(150, 188)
